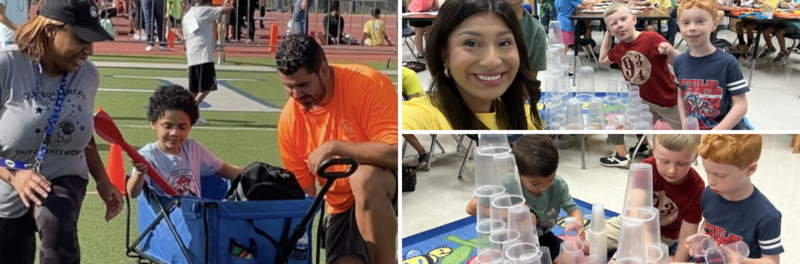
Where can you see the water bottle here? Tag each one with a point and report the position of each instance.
(300, 249)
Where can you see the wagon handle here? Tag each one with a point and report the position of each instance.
(321, 171)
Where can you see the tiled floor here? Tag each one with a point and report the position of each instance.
(441, 197)
(774, 88)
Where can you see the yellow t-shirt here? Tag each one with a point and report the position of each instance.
(375, 28)
(420, 114)
(411, 84)
(663, 5)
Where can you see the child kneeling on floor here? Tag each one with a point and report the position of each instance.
(179, 159)
(676, 189)
(733, 208)
(545, 192)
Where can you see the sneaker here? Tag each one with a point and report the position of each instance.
(781, 57)
(768, 52)
(615, 160)
(149, 48)
(136, 37)
(642, 149)
(201, 121)
(162, 48)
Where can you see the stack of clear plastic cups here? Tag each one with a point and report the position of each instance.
(555, 112)
(571, 253)
(730, 253)
(632, 111)
(523, 253)
(500, 234)
(571, 229)
(508, 176)
(644, 108)
(634, 90)
(485, 223)
(546, 257)
(596, 234)
(494, 140)
(630, 249)
(639, 192)
(486, 186)
(574, 115)
(691, 123)
(585, 92)
(612, 99)
(564, 86)
(595, 117)
(700, 243)
(562, 58)
(519, 220)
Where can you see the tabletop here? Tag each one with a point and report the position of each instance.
(420, 16)
(760, 20)
(646, 15)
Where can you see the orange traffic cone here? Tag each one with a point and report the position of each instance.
(115, 168)
(273, 38)
(171, 39)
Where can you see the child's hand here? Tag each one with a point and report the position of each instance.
(664, 48)
(140, 168)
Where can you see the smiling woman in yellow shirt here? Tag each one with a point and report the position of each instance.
(478, 80)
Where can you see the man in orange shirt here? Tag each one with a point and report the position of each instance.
(345, 111)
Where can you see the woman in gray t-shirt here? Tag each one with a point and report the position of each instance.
(47, 87)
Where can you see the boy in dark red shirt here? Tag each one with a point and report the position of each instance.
(677, 189)
(641, 62)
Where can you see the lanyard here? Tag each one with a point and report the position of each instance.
(51, 124)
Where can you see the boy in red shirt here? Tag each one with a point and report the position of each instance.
(677, 189)
(638, 56)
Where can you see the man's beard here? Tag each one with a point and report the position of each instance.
(316, 98)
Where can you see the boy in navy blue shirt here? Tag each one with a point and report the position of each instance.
(734, 209)
(710, 84)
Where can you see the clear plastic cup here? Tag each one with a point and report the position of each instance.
(597, 233)
(519, 220)
(644, 108)
(624, 92)
(612, 91)
(665, 251)
(594, 259)
(654, 254)
(493, 140)
(596, 114)
(617, 121)
(508, 176)
(631, 120)
(642, 125)
(562, 57)
(609, 127)
(485, 174)
(554, 61)
(628, 127)
(634, 88)
(524, 253)
(585, 92)
(730, 253)
(554, 36)
(483, 196)
(571, 253)
(646, 117)
(639, 193)
(699, 244)
(564, 84)
(571, 229)
(630, 249)
(485, 252)
(574, 115)
(691, 123)
(546, 257)
(500, 234)
(650, 224)
(555, 126)
(552, 87)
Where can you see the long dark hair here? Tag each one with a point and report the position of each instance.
(510, 107)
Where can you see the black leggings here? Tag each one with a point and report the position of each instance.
(56, 221)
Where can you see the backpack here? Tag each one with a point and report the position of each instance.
(263, 182)
(409, 178)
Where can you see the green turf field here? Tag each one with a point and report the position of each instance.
(238, 138)
(380, 65)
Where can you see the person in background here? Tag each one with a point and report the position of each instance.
(12, 14)
(375, 31)
(333, 25)
(422, 29)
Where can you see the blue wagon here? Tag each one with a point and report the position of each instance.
(207, 230)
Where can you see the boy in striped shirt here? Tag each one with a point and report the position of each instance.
(710, 84)
(734, 209)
